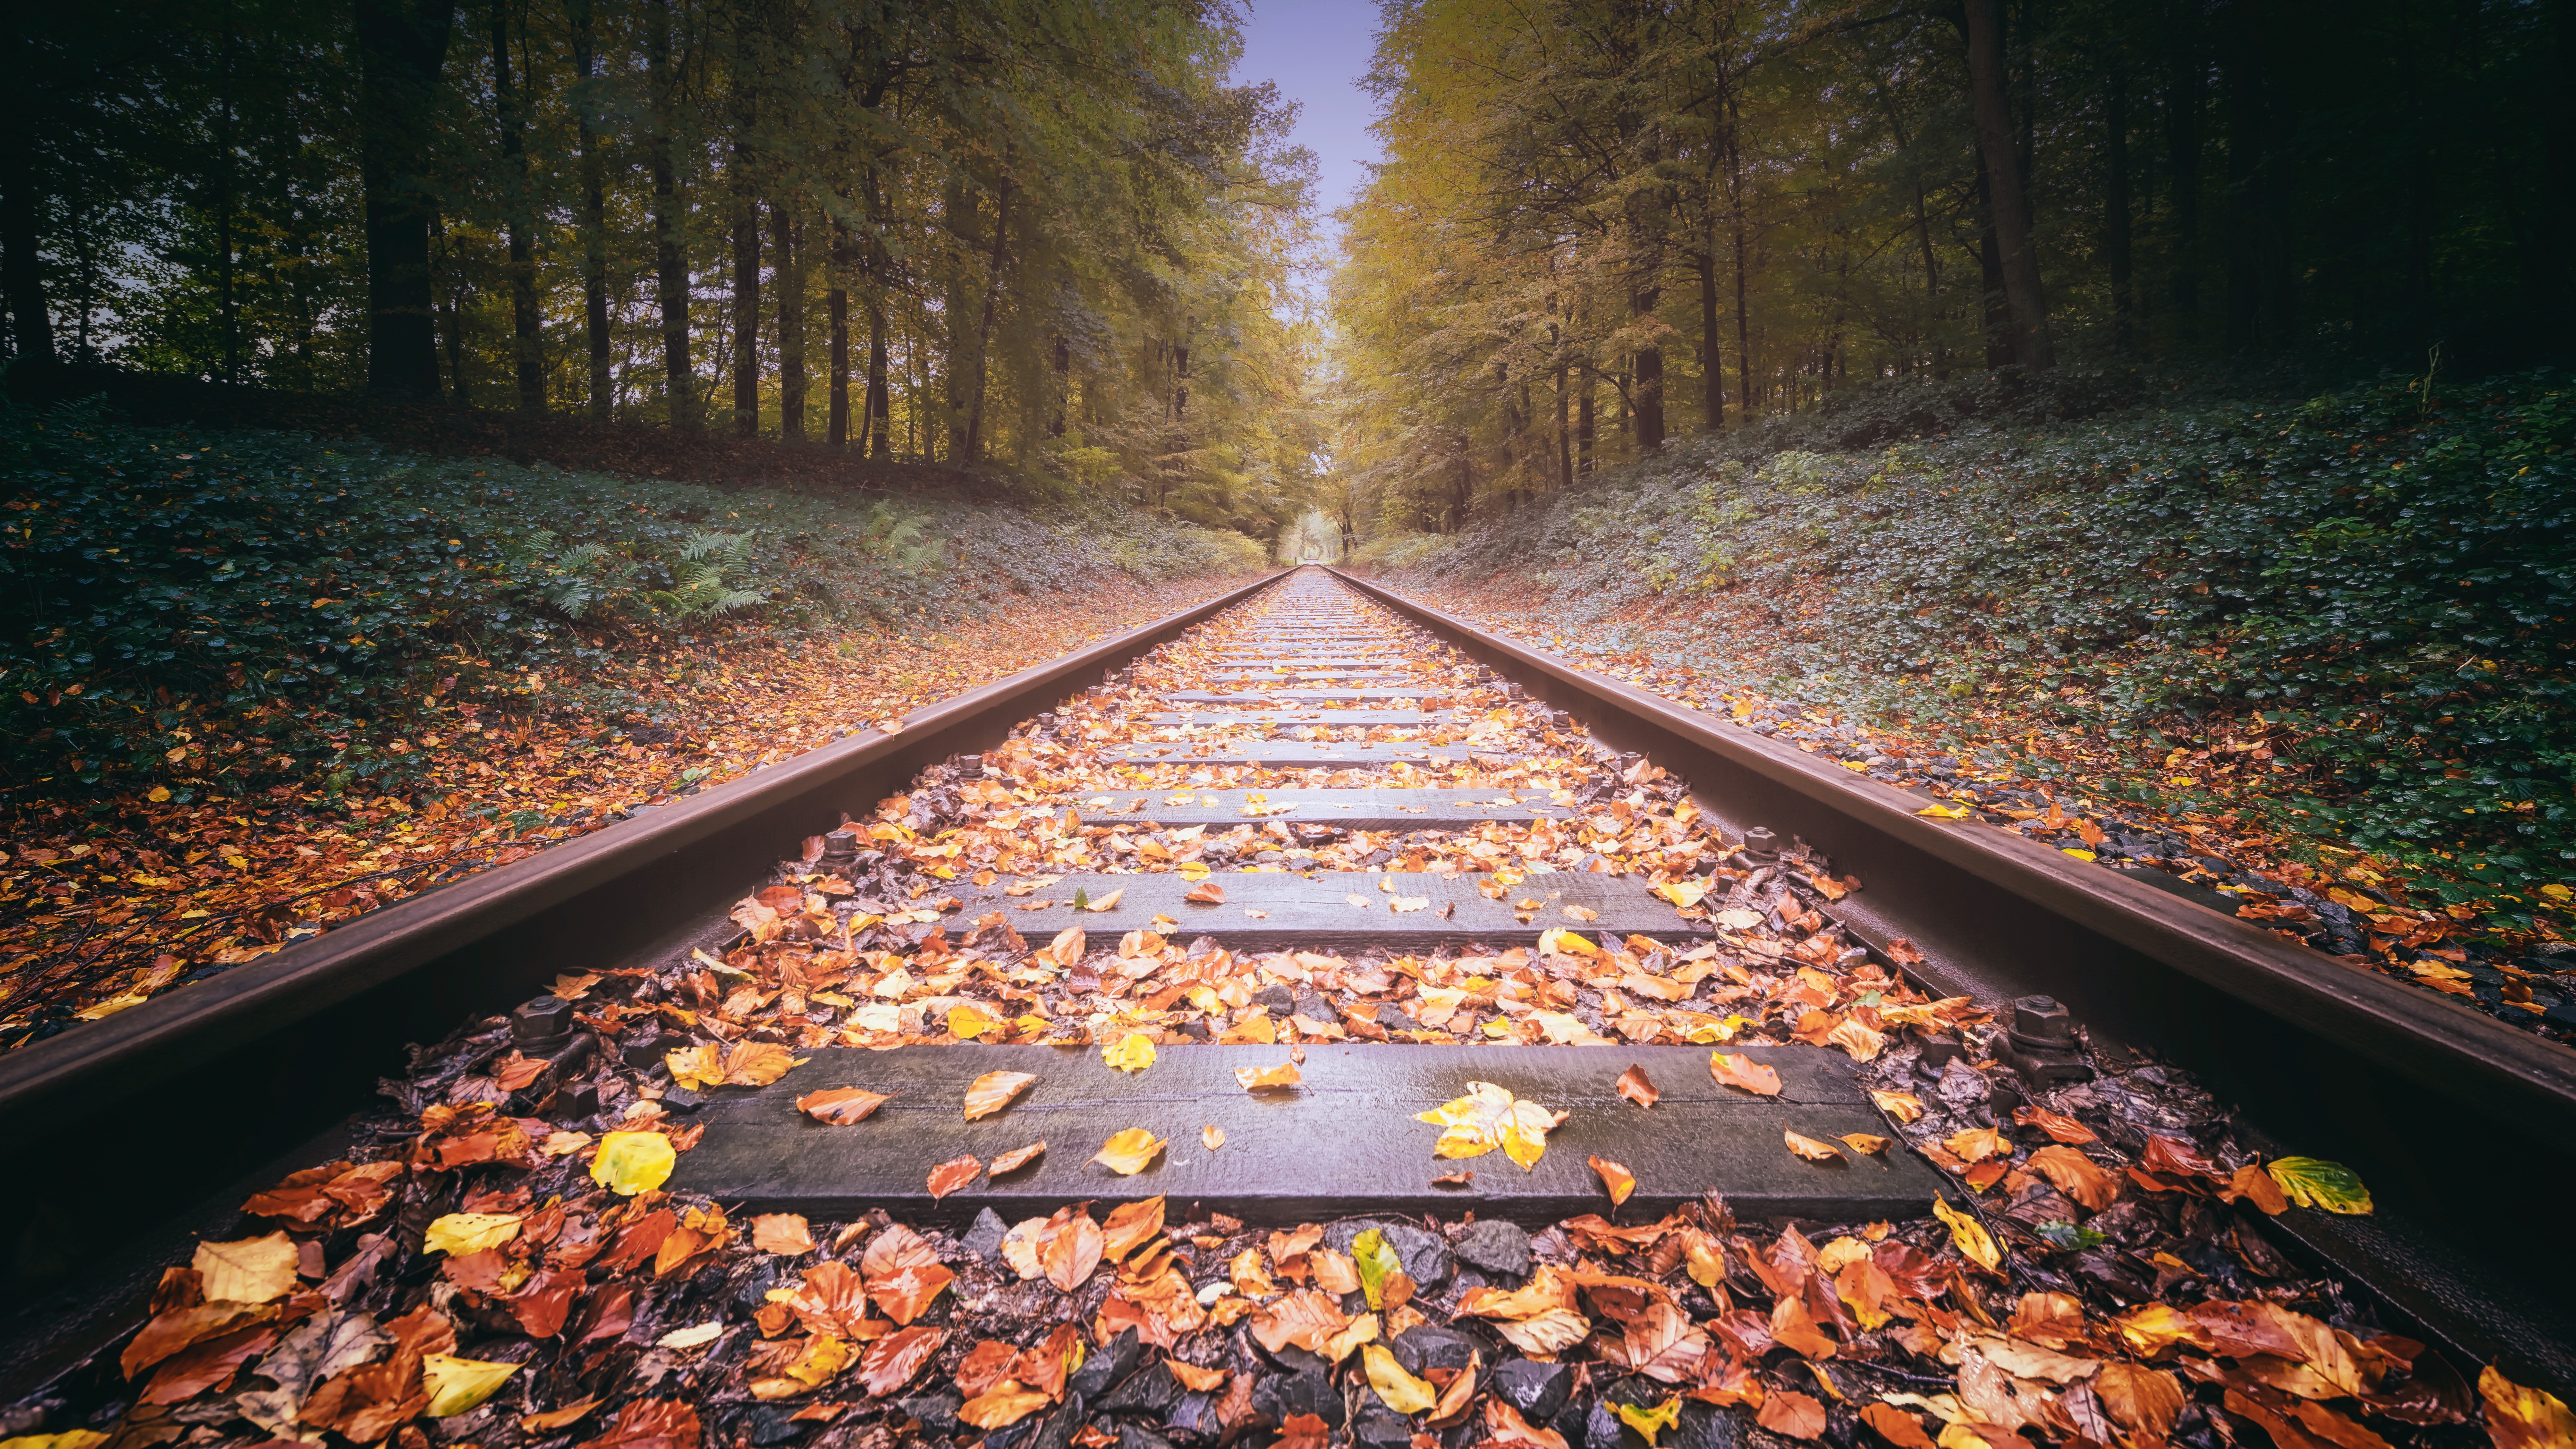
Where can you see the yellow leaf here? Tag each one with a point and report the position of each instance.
(159, 794)
(2311, 1182)
(633, 1162)
(1903, 1106)
(1130, 1053)
(1969, 1236)
(1402, 1391)
(1650, 1422)
(1683, 893)
(1213, 1136)
(1127, 1153)
(252, 1270)
(1810, 1148)
(1558, 941)
(458, 1234)
(2078, 854)
(698, 1067)
(2524, 1418)
(966, 1023)
(1105, 902)
(68, 1439)
(1945, 812)
(458, 1384)
(1268, 1079)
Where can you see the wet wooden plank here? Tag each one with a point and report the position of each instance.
(1313, 910)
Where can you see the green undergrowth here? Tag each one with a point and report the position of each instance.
(166, 590)
(2376, 587)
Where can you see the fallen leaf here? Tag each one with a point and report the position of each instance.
(458, 1384)
(1650, 1422)
(2059, 1128)
(2519, 1417)
(1213, 1136)
(1786, 1411)
(2313, 1183)
(993, 1091)
(1738, 1070)
(695, 1336)
(1454, 1179)
(1193, 1377)
(1489, 1117)
(953, 1174)
(890, 1362)
(1302, 1431)
(1616, 1178)
(1551, 1332)
(633, 1162)
(1068, 946)
(1896, 1426)
(906, 1292)
(1865, 1143)
(1969, 1236)
(1131, 1226)
(1634, 1086)
(1016, 1159)
(1206, 893)
(785, 1233)
(1268, 1079)
(1976, 1144)
(1903, 1106)
(1811, 1149)
(1402, 904)
(1505, 1428)
(967, 1022)
(1399, 1390)
(2142, 1399)
(1130, 1053)
(1128, 1153)
(1004, 1404)
(253, 1270)
(455, 1234)
(841, 1106)
(2075, 1175)
(1105, 902)
(1683, 893)
(1303, 1317)
(563, 1418)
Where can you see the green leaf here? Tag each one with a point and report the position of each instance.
(2314, 1182)
(1375, 1258)
(1650, 1422)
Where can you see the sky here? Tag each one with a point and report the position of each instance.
(1317, 50)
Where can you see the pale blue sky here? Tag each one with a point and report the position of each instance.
(1317, 50)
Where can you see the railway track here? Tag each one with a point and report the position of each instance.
(1313, 825)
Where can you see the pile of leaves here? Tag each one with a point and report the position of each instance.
(262, 686)
(2315, 651)
(498, 1262)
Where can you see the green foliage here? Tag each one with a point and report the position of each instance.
(2385, 597)
(242, 609)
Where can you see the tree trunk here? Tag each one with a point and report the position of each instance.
(984, 328)
(2007, 202)
(746, 241)
(2185, 83)
(228, 303)
(1564, 435)
(2115, 213)
(22, 223)
(2242, 77)
(1060, 362)
(838, 299)
(1712, 372)
(594, 211)
(1994, 315)
(670, 264)
(526, 341)
(449, 308)
(880, 405)
(791, 323)
(402, 46)
(1583, 424)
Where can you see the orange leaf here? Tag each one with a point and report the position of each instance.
(1206, 893)
(786, 1233)
(1810, 1148)
(1786, 1411)
(993, 1091)
(891, 1362)
(953, 1174)
(1016, 1159)
(1634, 1086)
(1616, 1178)
(1734, 1069)
(840, 1106)
(1896, 1426)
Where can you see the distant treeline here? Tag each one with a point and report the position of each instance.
(1608, 222)
(1039, 234)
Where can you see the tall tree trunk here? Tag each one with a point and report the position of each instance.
(449, 304)
(1994, 316)
(1583, 423)
(594, 210)
(1743, 271)
(791, 323)
(402, 46)
(961, 209)
(2007, 201)
(227, 296)
(2115, 212)
(1060, 363)
(1564, 435)
(1712, 371)
(22, 273)
(1648, 386)
(880, 404)
(2558, 181)
(2185, 85)
(670, 263)
(838, 299)
(746, 237)
(525, 337)
(2241, 69)
(984, 327)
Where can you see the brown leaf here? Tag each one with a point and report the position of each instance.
(1634, 1086)
(841, 1106)
(1896, 1426)
(1976, 1144)
(906, 1292)
(1069, 1256)
(1303, 1431)
(2080, 1177)
(833, 1300)
(1005, 1404)
(253, 1270)
(1016, 1159)
(993, 1091)
(890, 1362)
(1734, 1069)
(953, 1174)
(563, 1418)
(651, 1424)
(1193, 1377)
(786, 1233)
(1505, 1428)
(1206, 893)
(2061, 1129)
(1130, 1226)
(1303, 1317)
(1662, 1344)
(1616, 1178)
(1786, 1411)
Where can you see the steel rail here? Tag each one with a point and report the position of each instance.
(116, 1138)
(2458, 1123)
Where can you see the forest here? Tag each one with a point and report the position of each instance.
(1043, 239)
(1602, 226)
